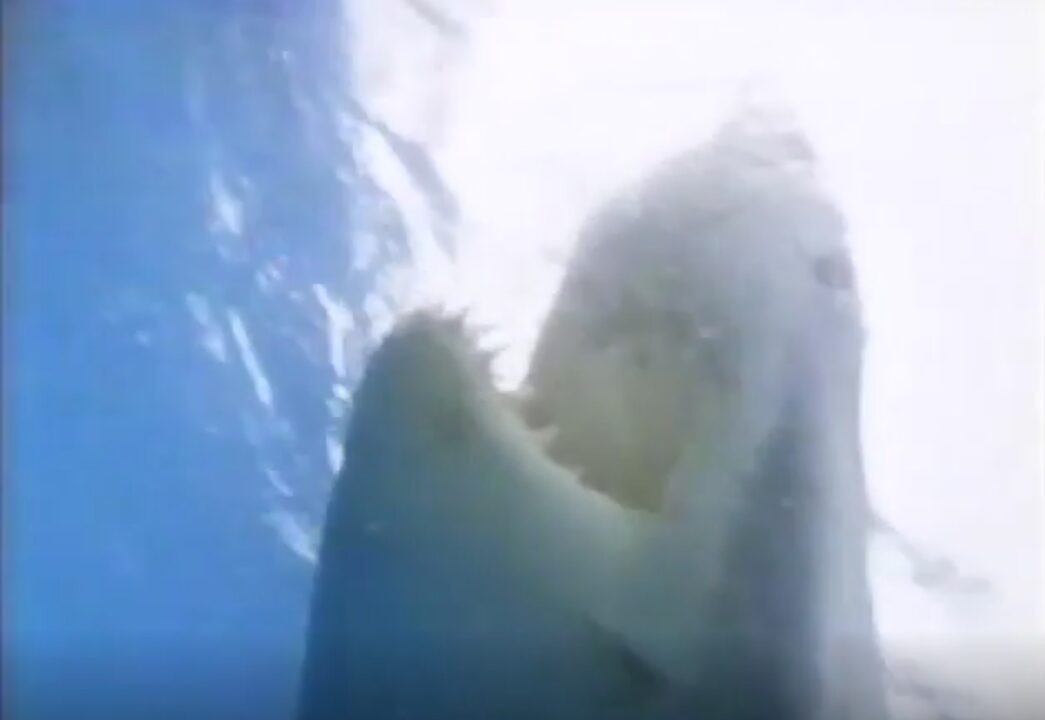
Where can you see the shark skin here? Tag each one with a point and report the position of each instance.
(689, 542)
(702, 361)
(458, 564)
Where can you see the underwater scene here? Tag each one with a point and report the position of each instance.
(523, 359)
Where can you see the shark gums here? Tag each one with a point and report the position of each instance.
(669, 520)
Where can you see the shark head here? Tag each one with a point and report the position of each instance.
(708, 331)
(686, 310)
(680, 479)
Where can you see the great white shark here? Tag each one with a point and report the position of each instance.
(669, 519)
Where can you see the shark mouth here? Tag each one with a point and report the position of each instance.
(681, 292)
(722, 284)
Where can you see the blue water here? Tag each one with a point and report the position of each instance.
(135, 549)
